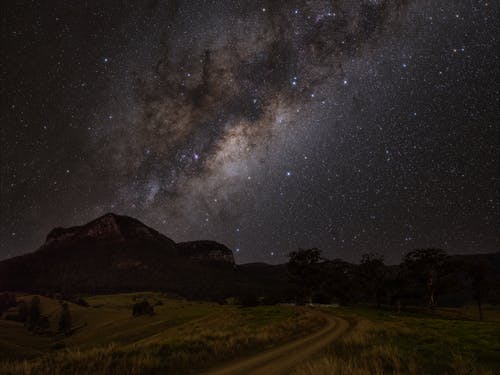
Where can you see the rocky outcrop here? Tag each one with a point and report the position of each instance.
(206, 251)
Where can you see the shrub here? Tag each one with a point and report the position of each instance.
(142, 308)
(248, 300)
(82, 302)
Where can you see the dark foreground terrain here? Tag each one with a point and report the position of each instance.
(184, 337)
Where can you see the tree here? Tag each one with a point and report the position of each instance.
(7, 300)
(372, 273)
(337, 280)
(34, 313)
(23, 311)
(303, 270)
(65, 320)
(479, 274)
(425, 267)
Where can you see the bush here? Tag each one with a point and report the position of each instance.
(82, 302)
(270, 300)
(248, 300)
(142, 308)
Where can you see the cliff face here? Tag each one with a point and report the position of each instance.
(206, 251)
(115, 253)
(107, 228)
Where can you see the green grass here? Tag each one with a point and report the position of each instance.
(182, 336)
(386, 342)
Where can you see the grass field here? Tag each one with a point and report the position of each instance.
(181, 337)
(382, 342)
(185, 337)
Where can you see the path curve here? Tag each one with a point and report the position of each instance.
(282, 359)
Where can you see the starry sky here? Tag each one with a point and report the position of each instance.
(351, 126)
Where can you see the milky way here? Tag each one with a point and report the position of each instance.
(265, 125)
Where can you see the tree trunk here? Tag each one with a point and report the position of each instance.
(432, 302)
(480, 309)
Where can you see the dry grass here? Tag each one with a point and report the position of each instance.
(379, 346)
(189, 347)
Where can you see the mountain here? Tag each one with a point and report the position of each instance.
(119, 253)
(115, 253)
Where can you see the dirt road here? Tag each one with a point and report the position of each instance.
(281, 360)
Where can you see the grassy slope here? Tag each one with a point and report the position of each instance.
(383, 342)
(181, 336)
(184, 335)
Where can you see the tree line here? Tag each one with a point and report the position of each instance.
(420, 280)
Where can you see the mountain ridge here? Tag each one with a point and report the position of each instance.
(117, 252)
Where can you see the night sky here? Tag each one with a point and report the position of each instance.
(351, 126)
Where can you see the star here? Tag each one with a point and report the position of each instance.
(202, 112)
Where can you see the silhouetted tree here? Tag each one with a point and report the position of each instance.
(304, 270)
(372, 274)
(23, 311)
(338, 280)
(425, 267)
(34, 313)
(65, 319)
(479, 273)
(7, 300)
